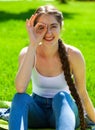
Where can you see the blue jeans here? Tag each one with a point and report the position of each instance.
(34, 111)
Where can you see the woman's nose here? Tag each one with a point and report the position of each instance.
(49, 31)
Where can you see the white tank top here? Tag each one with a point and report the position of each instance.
(48, 86)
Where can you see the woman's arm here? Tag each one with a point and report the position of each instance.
(26, 63)
(27, 55)
(78, 69)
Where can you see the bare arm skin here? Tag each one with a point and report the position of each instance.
(27, 55)
(26, 63)
(78, 69)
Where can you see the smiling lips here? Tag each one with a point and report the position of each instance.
(49, 39)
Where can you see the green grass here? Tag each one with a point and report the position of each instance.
(79, 30)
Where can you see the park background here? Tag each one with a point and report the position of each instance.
(79, 31)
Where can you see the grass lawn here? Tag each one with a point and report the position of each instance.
(79, 30)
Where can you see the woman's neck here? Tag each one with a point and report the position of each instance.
(48, 52)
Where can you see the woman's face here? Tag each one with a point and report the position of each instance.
(53, 29)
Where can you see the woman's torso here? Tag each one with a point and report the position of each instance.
(48, 77)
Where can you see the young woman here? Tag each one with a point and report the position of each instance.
(57, 71)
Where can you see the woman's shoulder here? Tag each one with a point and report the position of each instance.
(22, 54)
(74, 54)
(23, 51)
(73, 51)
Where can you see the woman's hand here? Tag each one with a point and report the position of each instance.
(37, 32)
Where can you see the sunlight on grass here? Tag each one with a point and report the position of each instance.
(79, 30)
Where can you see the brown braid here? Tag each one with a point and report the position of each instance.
(66, 68)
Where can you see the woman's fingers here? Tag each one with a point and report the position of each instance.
(37, 32)
(30, 22)
(40, 28)
(32, 19)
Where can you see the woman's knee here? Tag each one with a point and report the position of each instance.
(64, 100)
(21, 98)
(58, 98)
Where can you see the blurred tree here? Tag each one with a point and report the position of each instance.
(63, 1)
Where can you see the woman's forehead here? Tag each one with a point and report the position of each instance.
(47, 19)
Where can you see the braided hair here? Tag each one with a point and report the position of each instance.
(49, 9)
(66, 68)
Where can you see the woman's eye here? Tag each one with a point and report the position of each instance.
(53, 26)
(41, 27)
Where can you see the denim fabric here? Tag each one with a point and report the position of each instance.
(38, 112)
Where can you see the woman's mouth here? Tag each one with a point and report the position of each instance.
(49, 39)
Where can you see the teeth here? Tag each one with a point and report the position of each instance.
(48, 39)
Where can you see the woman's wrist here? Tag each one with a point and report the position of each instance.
(32, 48)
